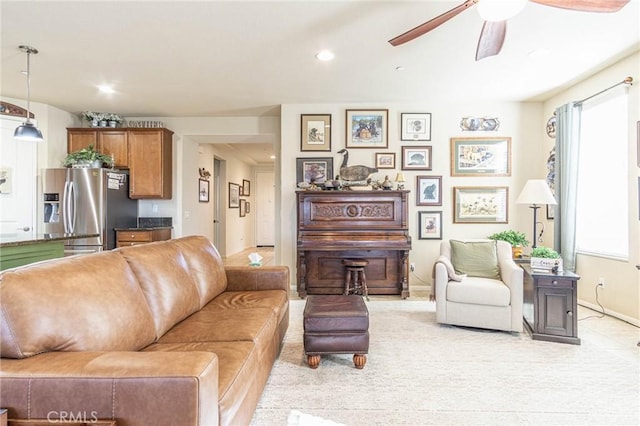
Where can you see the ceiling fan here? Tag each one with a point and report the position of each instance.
(496, 12)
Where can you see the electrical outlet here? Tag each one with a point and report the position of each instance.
(412, 266)
(601, 282)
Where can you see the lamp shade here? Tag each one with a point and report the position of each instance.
(536, 191)
(27, 131)
(400, 177)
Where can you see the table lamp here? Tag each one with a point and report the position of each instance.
(536, 192)
(400, 180)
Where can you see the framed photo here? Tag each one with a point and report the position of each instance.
(481, 156)
(317, 169)
(415, 126)
(315, 132)
(247, 207)
(428, 190)
(203, 190)
(234, 195)
(367, 128)
(416, 158)
(430, 224)
(386, 160)
(480, 204)
(243, 207)
(246, 188)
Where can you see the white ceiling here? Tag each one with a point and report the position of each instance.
(239, 58)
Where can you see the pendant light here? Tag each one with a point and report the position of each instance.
(28, 131)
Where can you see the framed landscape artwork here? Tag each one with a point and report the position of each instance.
(315, 132)
(316, 170)
(415, 126)
(367, 128)
(481, 204)
(416, 158)
(386, 160)
(430, 225)
(481, 156)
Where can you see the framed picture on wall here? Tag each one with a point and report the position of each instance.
(246, 188)
(243, 207)
(234, 195)
(416, 158)
(203, 190)
(367, 128)
(317, 169)
(315, 133)
(481, 204)
(428, 190)
(415, 126)
(386, 160)
(430, 224)
(481, 156)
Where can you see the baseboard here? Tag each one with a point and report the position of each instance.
(609, 312)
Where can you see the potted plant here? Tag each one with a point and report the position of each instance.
(87, 157)
(546, 258)
(93, 118)
(114, 119)
(518, 240)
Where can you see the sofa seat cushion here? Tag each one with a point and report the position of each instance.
(73, 304)
(273, 299)
(238, 374)
(479, 291)
(257, 325)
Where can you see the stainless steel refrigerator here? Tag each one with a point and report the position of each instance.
(87, 201)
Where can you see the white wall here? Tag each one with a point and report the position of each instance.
(621, 296)
(520, 121)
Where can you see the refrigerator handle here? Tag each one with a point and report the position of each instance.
(65, 207)
(72, 209)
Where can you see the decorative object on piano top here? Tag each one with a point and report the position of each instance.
(354, 173)
(87, 157)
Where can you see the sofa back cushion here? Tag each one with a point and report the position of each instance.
(205, 266)
(85, 303)
(163, 274)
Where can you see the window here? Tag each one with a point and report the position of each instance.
(602, 224)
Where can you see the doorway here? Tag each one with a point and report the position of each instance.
(219, 223)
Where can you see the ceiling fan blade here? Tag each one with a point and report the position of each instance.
(586, 5)
(430, 25)
(491, 39)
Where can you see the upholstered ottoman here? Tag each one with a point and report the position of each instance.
(336, 324)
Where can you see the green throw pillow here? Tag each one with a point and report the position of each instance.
(475, 258)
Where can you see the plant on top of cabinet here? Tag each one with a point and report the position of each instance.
(87, 157)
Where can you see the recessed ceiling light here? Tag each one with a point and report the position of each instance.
(325, 55)
(104, 88)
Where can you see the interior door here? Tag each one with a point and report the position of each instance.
(265, 209)
(18, 188)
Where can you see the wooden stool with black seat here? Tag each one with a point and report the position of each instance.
(355, 280)
(336, 324)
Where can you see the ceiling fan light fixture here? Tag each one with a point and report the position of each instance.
(28, 131)
(500, 10)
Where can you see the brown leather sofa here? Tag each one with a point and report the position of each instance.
(156, 334)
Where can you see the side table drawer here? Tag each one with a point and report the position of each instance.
(142, 236)
(555, 282)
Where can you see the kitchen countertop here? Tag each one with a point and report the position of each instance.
(8, 240)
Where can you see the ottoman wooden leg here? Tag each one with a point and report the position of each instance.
(359, 360)
(313, 361)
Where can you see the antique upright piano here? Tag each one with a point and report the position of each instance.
(337, 225)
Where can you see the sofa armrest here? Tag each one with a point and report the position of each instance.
(129, 387)
(243, 278)
(513, 277)
(441, 279)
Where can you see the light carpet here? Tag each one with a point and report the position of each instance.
(419, 372)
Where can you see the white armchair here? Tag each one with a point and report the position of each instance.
(478, 301)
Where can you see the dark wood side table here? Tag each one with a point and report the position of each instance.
(550, 307)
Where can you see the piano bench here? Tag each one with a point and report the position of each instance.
(336, 324)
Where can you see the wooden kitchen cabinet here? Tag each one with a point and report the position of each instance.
(150, 163)
(147, 153)
(106, 140)
(134, 237)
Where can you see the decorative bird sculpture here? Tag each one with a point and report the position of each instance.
(204, 173)
(354, 173)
